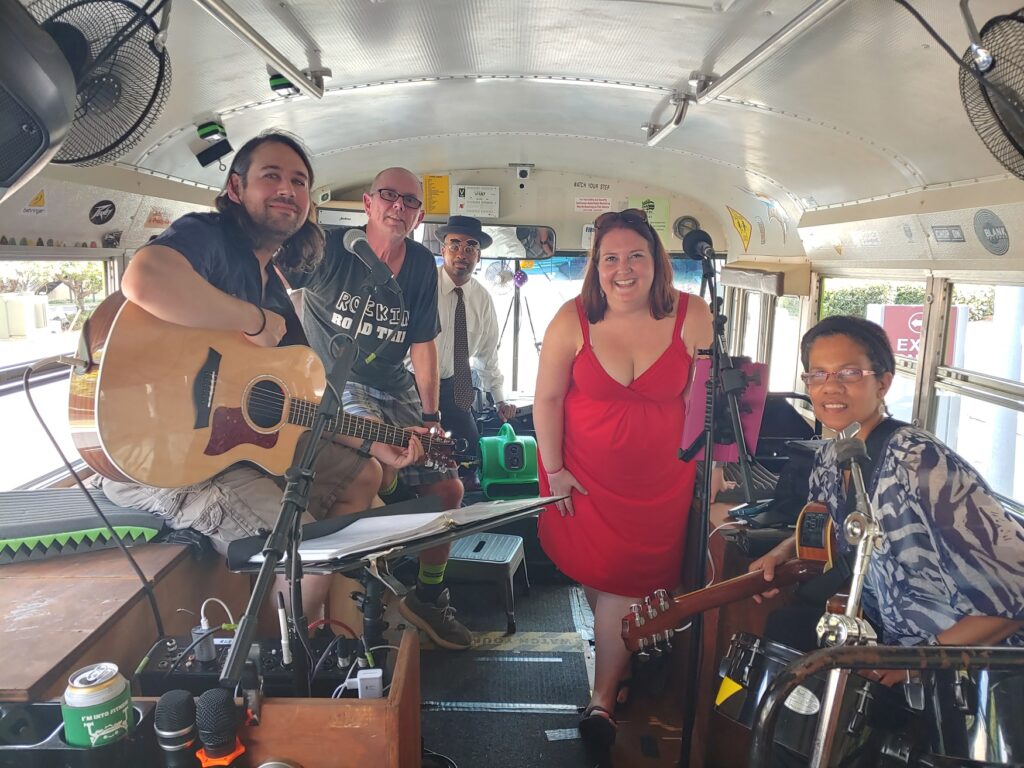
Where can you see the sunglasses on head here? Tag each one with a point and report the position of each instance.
(634, 217)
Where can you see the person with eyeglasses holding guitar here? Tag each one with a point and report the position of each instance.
(213, 271)
(615, 369)
(950, 570)
(382, 388)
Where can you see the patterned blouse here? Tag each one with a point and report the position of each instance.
(949, 550)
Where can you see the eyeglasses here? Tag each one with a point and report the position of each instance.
(843, 376)
(389, 196)
(632, 216)
(467, 248)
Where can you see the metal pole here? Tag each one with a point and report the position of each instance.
(811, 15)
(247, 34)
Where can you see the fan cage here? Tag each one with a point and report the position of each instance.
(1001, 130)
(122, 96)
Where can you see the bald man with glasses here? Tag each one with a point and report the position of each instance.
(383, 388)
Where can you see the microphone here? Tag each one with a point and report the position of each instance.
(380, 276)
(697, 245)
(217, 718)
(175, 724)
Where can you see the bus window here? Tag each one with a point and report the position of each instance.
(979, 387)
(897, 306)
(785, 353)
(43, 305)
(544, 286)
(753, 302)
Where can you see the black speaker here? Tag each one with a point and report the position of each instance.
(37, 97)
(214, 152)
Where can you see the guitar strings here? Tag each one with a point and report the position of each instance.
(275, 403)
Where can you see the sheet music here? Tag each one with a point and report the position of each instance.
(376, 532)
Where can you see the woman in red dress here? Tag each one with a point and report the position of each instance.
(609, 410)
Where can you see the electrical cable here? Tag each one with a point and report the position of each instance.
(188, 648)
(146, 586)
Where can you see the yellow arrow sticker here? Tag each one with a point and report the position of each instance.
(727, 689)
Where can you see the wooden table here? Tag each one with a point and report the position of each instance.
(62, 613)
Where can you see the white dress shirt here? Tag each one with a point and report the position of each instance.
(481, 332)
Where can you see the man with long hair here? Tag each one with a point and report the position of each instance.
(214, 270)
(380, 386)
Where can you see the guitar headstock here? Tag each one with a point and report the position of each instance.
(648, 628)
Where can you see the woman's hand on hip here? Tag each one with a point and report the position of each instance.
(562, 483)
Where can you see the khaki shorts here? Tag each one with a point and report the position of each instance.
(241, 501)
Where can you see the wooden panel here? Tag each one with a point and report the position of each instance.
(324, 733)
(719, 742)
(63, 613)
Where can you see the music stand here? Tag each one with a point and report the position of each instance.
(751, 410)
(371, 565)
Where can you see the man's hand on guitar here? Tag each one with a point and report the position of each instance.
(768, 563)
(562, 483)
(267, 330)
(399, 458)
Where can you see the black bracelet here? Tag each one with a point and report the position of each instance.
(435, 416)
(263, 316)
(364, 449)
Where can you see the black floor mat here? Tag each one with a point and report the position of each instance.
(505, 740)
(555, 680)
(547, 608)
(503, 708)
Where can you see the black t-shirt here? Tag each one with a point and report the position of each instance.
(334, 303)
(216, 249)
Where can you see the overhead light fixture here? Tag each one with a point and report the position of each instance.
(211, 131)
(216, 137)
(657, 133)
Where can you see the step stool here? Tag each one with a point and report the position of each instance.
(490, 557)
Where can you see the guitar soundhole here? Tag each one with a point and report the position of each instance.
(265, 405)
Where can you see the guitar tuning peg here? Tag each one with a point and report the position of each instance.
(643, 655)
(649, 608)
(634, 610)
(661, 596)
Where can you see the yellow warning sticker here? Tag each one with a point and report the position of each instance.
(742, 225)
(727, 688)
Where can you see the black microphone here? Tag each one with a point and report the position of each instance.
(175, 725)
(697, 245)
(380, 276)
(217, 718)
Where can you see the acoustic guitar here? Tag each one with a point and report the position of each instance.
(654, 621)
(169, 406)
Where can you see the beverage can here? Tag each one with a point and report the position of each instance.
(97, 706)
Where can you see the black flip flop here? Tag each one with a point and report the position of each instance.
(598, 731)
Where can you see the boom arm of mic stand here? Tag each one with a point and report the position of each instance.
(293, 504)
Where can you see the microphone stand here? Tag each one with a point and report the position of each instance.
(728, 380)
(861, 528)
(287, 532)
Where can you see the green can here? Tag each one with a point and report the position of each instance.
(97, 706)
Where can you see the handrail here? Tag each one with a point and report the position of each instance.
(867, 657)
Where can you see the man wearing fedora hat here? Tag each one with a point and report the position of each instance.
(469, 334)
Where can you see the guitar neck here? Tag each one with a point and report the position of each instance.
(303, 413)
(683, 607)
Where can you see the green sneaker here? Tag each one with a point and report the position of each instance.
(437, 620)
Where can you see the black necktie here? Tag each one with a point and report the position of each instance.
(463, 383)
